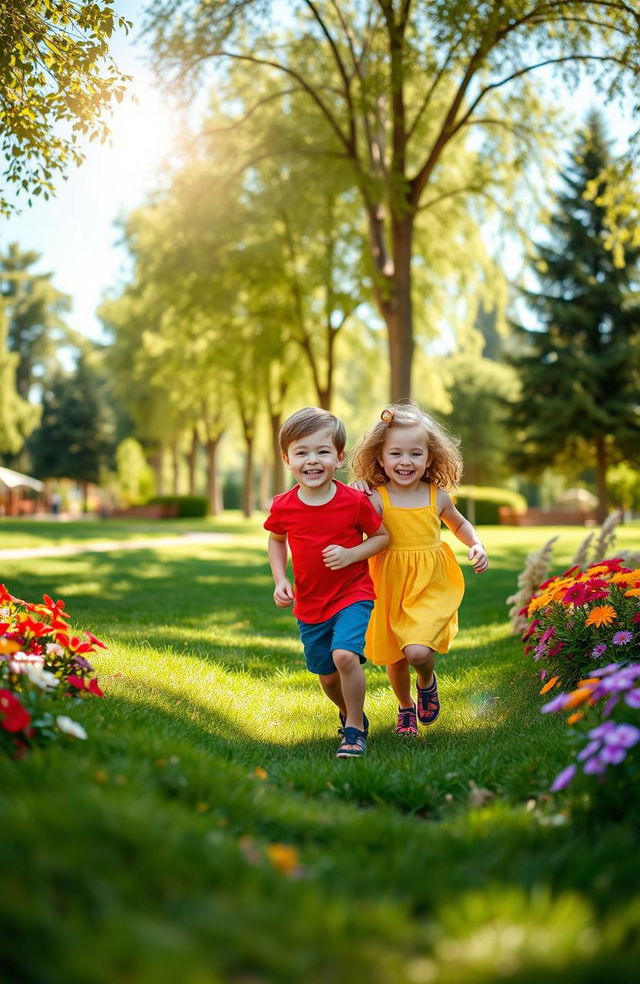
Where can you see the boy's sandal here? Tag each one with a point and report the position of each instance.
(343, 722)
(428, 703)
(406, 723)
(353, 744)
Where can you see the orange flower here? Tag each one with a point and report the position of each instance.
(577, 697)
(550, 684)
(283, 857)
(601, 615)
(632, 593)
(624, 577)
(576, 716)
(598, 569)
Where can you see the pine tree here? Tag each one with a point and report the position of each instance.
(580, 365)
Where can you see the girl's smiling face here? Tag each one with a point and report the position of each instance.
(405, 455)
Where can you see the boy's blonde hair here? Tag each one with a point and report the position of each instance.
(306, 421)
(445, 467)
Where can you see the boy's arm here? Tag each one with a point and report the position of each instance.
(464, 531)
(278, 553)
(336, 557)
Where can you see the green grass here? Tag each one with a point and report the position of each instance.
(140, 855)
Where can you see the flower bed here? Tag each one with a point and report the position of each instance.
(44, 671)
(579, 618)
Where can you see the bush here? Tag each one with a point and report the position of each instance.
(480, 504)
(189, 506)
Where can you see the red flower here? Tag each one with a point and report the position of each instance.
(89, 685)
(575, 595)
(13, 716)
(556, 649)
(96, 642)
(55, 607)
(35, 628)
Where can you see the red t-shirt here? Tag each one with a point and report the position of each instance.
(320, 592)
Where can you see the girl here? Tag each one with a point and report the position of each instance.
(406, 463)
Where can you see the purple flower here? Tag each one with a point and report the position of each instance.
(599, 650)
(609, 706)
(557, 704)
(606, 728)
(547, 634)
(612, 754)
(632, 699)
(622, 638)
(626, 735)
(563, 778)
(595, 766)
(589, 750)
(540, 651)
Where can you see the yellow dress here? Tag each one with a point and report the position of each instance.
(418, 583)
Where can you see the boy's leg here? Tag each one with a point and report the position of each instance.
(330, 683)
(353, 685)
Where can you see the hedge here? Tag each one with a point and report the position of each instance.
(480, 504)
(189, 506)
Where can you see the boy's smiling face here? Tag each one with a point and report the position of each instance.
(313, 459)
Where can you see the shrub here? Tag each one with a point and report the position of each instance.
(481, 503)
(189, 506)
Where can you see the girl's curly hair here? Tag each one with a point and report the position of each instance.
(445, 467)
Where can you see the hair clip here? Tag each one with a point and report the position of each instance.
(387, 417)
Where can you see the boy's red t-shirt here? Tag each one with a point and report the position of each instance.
(318, 591)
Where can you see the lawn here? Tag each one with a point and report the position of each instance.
(206, 834)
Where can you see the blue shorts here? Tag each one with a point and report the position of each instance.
(344, 630)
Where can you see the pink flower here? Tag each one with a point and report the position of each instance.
(622, 638)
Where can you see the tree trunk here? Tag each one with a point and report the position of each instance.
(247, 483)
(395, 306)
(157, 463)
(266, 483)
(601, 480)
(278, 484)
(192, 460)
(175, 464)
(213, 485)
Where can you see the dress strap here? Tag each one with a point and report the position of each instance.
(434, 497)
(383, 492)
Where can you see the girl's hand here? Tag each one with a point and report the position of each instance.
(335, 557)
(478, 557)
(361, 487)
(283, 594)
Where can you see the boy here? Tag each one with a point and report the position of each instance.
(323, 521)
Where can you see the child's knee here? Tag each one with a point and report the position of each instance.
(420, 656)
(345, 660)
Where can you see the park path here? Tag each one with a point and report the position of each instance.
(103, 546)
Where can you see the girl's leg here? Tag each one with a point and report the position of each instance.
(424, 660)
(353, 685)
(330, 683)
(399, 677)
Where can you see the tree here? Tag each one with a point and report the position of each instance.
(579, 365)
(56, 81)
(35, 308)
(398, 86)
(17, 417)
(76, 438)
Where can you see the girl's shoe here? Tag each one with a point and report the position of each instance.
(406, 723)
(353, 744)
(428, 703)
(343, 722)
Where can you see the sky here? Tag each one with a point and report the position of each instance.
(75, 233)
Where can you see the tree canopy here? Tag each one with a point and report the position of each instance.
(56, 82)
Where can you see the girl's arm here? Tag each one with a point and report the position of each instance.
(278, 553)
(463, 530)
(336, 557)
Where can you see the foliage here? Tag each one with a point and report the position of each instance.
(134, 476)
(579, 365)
(76, 436)
(432, 104)
(38, 655)
(189, 506)
(579, 617)
(611, 697)
(18, 418)
(485, 501)
(56, 82)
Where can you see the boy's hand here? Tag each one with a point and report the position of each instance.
(478, 557)
(283, 594)
(335, 557)
(361, 487)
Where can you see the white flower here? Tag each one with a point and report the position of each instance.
(41, 678)
(21, 662)
(54, 649)
(4, 613)
(69, 727)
